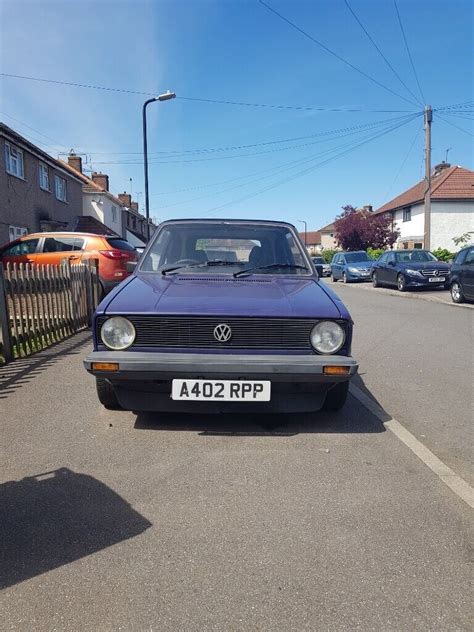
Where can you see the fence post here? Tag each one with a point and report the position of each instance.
(5, 320)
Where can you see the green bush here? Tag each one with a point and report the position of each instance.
(375, 253)
(328, 254)
(443, 254)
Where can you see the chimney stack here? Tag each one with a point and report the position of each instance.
(74, 161)
(135, 206)
(125, 199)
(101, 179)
(368, 208)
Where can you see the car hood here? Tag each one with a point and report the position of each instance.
(424, 265)
(209, 295)
(363, 265)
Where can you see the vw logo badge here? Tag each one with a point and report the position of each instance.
(222, 333)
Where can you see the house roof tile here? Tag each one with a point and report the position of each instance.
(453, 183)
(313, 237)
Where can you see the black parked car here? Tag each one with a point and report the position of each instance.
(462, 276)
(410, 268)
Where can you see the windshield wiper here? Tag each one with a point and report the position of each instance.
(288, 266)
(203, 264)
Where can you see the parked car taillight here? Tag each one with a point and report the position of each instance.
(118, 254)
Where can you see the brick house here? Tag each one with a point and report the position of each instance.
(36, 192)
(452, 209)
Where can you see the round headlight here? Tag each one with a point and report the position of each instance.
(117, 333)
(327, 337)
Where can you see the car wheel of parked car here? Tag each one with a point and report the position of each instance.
(336, 396)
(106, 394)
(333, 279)
(375, 281)
(456, 292)
(401, 283)
(344, 277)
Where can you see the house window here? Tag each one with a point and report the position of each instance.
(331, 234)
(114, 213)
(16, 231)
(43, 176)
(407, 214)
(14, 161)
(418, 245)
(61, 188)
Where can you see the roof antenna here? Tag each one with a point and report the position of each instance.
(447, 152)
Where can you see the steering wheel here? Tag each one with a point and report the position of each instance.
(187, 262)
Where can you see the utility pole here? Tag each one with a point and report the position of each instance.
(427, 230)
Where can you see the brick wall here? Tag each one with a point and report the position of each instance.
(24, 204)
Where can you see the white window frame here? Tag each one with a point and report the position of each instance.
(14, 165)
(114, 214)
(406, 217)
(57, 180)
(43, 174)
(14, 232)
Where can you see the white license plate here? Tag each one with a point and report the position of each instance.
(437, 279)
(221, 390)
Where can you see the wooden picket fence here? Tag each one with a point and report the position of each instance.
(40, 305)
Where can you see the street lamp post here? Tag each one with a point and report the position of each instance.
(305, 229)
(162, 97)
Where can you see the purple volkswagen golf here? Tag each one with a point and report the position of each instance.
(222, 316)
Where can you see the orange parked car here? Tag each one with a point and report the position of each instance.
(112, 253)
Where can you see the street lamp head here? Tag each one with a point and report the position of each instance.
(166, 96)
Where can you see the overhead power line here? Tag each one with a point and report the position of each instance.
(312, 168)
(282, 168)
(333, 53)
(461, 129)
(408, 50)
(200, 99)
(465, 104)
(403, 162)
(374, 43)
(340, 133)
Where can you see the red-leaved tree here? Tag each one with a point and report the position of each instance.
(359, 230)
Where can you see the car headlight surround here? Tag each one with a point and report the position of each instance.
(353, 270)
(415, 272)
(117, 333)
(327, 337)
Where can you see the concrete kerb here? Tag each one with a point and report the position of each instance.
(408, 294)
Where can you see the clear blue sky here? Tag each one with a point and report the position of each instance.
(239, 51)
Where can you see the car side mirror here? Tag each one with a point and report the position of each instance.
(131, 265)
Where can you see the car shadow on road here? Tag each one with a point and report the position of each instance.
(353, 418)
(56, 518)
(20, 372)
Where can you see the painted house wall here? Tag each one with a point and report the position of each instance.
(328, 241)
(448, 220)
(100, 206)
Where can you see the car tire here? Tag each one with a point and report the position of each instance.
(106, 394)
(344, 277)
(457, 295)
(336, 396)
(401, 283)
(333, 279)
(375, 281)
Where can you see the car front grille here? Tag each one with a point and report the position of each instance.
(437, 272)
(198, 332)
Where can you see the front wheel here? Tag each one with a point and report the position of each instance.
(375, 281)
(344, 277)
(333, 278)
(336, 396)
(456, 292)
(401, 283)
(106, 394)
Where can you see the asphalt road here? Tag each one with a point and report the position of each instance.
(326, 522)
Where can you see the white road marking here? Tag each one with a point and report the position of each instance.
(457, 484)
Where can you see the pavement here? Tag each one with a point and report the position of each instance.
(111, 521)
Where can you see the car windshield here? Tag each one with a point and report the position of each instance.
(226, 248)
(414, 256)
(355, 257)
